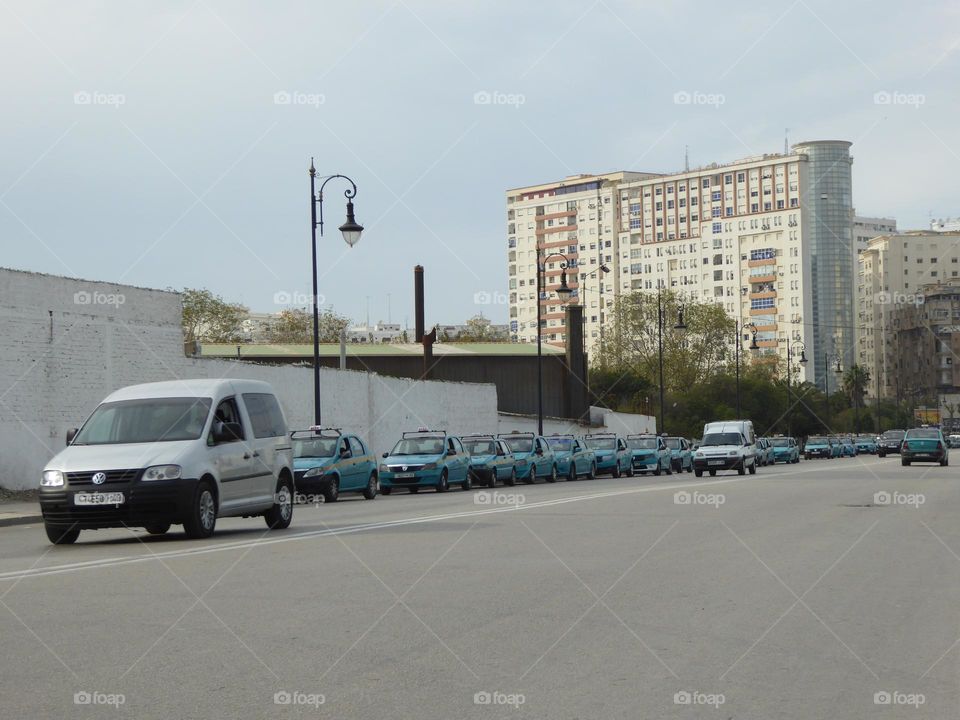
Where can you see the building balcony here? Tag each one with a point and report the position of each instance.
(770, 277)
(762, 262)
(763, 294)
(556, 229)
(763, 311)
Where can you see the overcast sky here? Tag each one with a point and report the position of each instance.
(146, 143)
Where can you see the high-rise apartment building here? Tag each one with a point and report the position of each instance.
(768, 238)
(896, 272)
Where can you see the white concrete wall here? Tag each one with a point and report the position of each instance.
(602, 420)
(65, 344)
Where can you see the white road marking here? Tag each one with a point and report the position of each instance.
(416, 520)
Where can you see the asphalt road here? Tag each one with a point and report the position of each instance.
(795, 593)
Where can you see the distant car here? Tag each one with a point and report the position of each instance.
(574, 458)
(818, 446)
(866, 444)
(847, 447)
(612, 454)
(425, 458)
(532, 456)
(491, 460)
(890, 442)
(953, 441)
(328, 463)
(764, 452)
(649, 454)
(681, 456)
(785, 449)
(924, 445)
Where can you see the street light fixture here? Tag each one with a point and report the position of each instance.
(740, 327)
(351, 230)
(563, 293)
(827, 359)
(680, 325)
(791, 352)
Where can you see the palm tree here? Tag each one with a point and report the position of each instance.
(855, 382)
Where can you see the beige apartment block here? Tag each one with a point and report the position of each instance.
(769, 238)
(896, 273)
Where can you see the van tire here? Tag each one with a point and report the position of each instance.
(201, 519)
(753, 468)
(158, 529)
(616, 469)
(698, 473)
(741, 468)
(468, 482)
(593, 472)
(280, 515)
(372, 490)
(59, 535)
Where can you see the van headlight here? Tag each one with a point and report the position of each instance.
(162, 472)
(52, 478)
(734, 453)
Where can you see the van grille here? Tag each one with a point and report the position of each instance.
(113, 477)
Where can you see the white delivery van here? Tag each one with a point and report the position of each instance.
(726, 445)
(178, 452)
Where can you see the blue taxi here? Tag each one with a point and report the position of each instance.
(532, 456)
(327, 463)
(612, 454)
(425, 458)
(573, 457)
(490, 460)
(649, 453)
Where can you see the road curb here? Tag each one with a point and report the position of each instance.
(21, 520)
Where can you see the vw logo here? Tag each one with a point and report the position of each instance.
(99, 478)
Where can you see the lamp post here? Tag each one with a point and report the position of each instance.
(680, 325)
(753, 346)
(827, 359)
(351, 234)
(791, 352)
(563, 292)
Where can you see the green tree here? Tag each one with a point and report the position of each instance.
(478, 329)
(209, 318)
(689, 356)
(295, 327)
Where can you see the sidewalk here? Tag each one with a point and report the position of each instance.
(19, 513)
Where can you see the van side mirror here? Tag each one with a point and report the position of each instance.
(71, 434)
(227, 432)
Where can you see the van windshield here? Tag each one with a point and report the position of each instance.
(145, 421)
(714, 439)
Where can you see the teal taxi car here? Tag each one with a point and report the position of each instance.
(818, 446)
(425, 458)
(573, 457)
(532, 455)
(681, 454)
(490, 460)
(866, 444)
(848, 448)
(649, 454)
(328, 463)
(924, 444)
(612, 454)
(785, 450)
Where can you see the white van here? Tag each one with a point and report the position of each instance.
(178, 452)
(726, 445)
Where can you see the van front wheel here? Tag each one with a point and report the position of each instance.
(279, 516)
(201, 518)
(59, 535)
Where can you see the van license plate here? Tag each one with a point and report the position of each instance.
(114, 498)
(715, 462)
